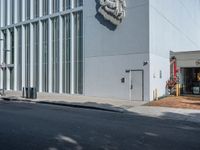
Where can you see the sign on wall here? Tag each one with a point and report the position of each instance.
(113, 10)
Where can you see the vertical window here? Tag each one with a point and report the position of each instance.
(66, 5)
(27, 55)
(36, 8)
(19, 12)
(45, 7)
(5, 12)
(66, 54)
(78, 3)
(36, 55)
(55, 54)
(4, 58)
(12, 46)
(11, 69)
(19, 60)
(45, 56)
(78, 48)
(55, 6)
(27, 9)
(4, 45)
(12, 11)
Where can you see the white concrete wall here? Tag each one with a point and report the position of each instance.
(174, 25)
(108, 53)
(159, 74)
(103, 75)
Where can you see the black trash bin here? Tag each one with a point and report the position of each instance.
(23, 92)
(27, 92)
(33, 93)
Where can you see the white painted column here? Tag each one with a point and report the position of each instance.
(50, 55)
(31, 57)
(61, 54)
(72, 4)
(8, 52)
(23, 57)
(15, 58)
(40, 56)
(40, 8)
(16, 12)
(61, 5)
(31, 9)
(72, 54)
(23, 10)
(72, 51)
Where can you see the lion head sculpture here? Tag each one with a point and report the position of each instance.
(113, 10)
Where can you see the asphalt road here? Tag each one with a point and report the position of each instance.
(26, 126)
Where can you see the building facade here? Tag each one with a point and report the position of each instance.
(69, 46)
(42, 45)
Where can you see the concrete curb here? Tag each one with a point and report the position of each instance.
(59, 103)
(150, 111)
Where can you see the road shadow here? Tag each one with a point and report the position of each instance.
(151, 137)
(54, 127)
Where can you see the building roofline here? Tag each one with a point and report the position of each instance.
(183, 52)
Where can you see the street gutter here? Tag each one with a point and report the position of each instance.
(74, 105)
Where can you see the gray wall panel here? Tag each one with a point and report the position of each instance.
(103, 75)
(108, 52)
(131, 36)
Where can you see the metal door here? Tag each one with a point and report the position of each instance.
(136, 85)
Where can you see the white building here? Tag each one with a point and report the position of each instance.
(67, 46)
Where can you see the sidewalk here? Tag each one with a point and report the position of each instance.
(115, 105)
(77, 100)
(191, 115)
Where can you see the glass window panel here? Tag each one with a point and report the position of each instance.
(78, 3)
(19, 60)
(19, 12)
(45, 7)
(36, 55)
(78, 41)
(11, 58)
(55, 54)
(27, 55)
(4, 58)
(5, 12)
(12, 8)
(45, 56)
(36, 8)
(12, 46)
(66, 54)
(66, 5)
(27, 9)
(55, 6)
